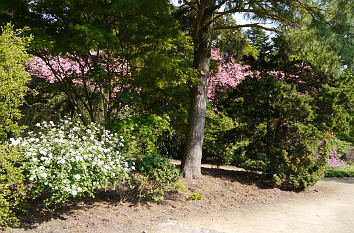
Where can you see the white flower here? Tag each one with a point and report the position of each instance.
(100, 162)
(43, 152)
(74, 192)
(32, 178)
(34, 159)
(41, 168)
(73, 186)
(61, 161)
(44, 175)
(43, 158)
(31, 139)
(14, 142)
(77, 176)
(38, 124)
(51, 122)
(67, 189)
(79, 189)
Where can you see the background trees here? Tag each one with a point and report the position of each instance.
(124, 64)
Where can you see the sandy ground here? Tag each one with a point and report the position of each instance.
(331, 212)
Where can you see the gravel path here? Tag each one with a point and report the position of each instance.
(329, 213)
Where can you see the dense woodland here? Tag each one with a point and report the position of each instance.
(100, 94)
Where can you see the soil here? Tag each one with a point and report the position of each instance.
(228, 194)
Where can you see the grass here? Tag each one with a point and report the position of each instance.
(345, 171)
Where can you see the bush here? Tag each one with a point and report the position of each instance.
(155, 175)
(13, 78)
(277, 121)
(142, 133)
(68, 160)
(218, 146)
(301, 161)
(12, 186)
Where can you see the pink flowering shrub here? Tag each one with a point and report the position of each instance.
(335, 159)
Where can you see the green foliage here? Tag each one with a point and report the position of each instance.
(195, 197)
(334, 107)
(259, 163)
(67, 160)
(142, 133)
(325, 37)
(12, 186)
(344, 171)
(13, 78)
(218, 147)
(276, 120)
(155, 175)
(300, 161)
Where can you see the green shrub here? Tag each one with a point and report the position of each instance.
(154, 176)
(218, 147)
(12, 186)
(142, 132)
(277, 121)
(68, 160)
(13, 78)
(261, 163)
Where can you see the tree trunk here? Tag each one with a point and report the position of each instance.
(191, 164)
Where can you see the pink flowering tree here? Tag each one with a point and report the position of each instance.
(97, 79)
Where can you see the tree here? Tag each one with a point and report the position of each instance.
(105, 55)
(204, 14)
(13, 78)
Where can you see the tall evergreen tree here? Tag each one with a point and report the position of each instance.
(204, 13)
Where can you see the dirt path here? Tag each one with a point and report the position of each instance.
(333, 211)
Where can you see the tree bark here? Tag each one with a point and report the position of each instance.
(191, 164)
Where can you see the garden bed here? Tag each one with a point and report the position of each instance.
(221, 190)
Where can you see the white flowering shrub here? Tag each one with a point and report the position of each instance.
(70, 160)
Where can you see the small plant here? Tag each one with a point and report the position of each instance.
(195, 197)
(69, 160)
(154, 176)
(180, 186)
(12, 186)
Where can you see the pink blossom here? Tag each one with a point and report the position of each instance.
(228, 75)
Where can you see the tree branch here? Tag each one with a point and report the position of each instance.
(247, 25)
